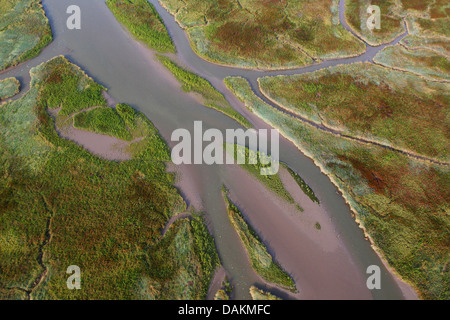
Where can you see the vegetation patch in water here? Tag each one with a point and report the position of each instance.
(303, 185)
(270, 180)
(424, 18)
(221, 295)
(190, 82)
(143, 21)
(401, 202)
(425, 62)
(365, 100)
(261, 261)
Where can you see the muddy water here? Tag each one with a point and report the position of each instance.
(340, 254)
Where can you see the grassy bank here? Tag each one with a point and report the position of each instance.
(401, 203)
(258, 294)
(261, 34)
(366, 100)
(62, 206)
(261, 261)
(24, 31)
(190, 82)
(390, 20)
(144, 23)
(9, 87)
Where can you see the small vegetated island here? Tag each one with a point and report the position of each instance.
(190, 82)
(144, 23)
(265, 173)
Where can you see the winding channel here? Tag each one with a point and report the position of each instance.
(329, 264)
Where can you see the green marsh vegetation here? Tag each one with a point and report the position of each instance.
(438, 44)
(402, 203)
(264, 34)
(427, 25)
(258, 294)
(135, 15)
(227, 286)
(69, 89)
(425, 62)
(182, 264)
(366, 100)
(60, 206)
(424, 51)
(225, 291)
(303, 185)
(391, 20)
(143, 21)
(122, 122)
(24, 31)
(426, 18)
(271, 181)
(190, 82)
(261, 261)
(103, 120)
(9, 87)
